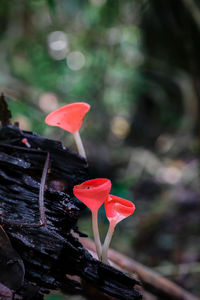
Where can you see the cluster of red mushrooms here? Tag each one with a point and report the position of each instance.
(93, 193)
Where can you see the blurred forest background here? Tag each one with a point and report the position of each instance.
(137, 63)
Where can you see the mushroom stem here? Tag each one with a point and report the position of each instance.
(104, 256)
(79, 144)
(96, 233)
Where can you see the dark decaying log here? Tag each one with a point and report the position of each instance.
(154, 284)
(49, 252)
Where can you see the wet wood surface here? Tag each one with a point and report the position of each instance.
(155, 285)
(51, 254)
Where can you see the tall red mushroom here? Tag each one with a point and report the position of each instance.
(93, 194)
(116, 209)
(70, 117)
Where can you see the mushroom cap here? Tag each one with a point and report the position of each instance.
(93, 193)
(24, 140)
(118, 208)
(68, 117)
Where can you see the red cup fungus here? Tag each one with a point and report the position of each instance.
(70, 118)
(116, 209)
(25, 142)
(93, 194)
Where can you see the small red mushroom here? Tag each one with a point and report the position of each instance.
(25, 142)
(93, 194)
(116, 209)
(70, 118)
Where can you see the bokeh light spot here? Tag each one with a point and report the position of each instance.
(98, 3)
(120, 127)
(48, 102)
(58, 45)
(75, 60)
(171, 175)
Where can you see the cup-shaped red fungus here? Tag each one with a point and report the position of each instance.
(25, 142)
(116, 209)
(70, 118)
(93, 194)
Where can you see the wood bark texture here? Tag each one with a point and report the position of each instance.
(48, 257)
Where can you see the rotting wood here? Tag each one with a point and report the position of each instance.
(151, 280)
(50, 252)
